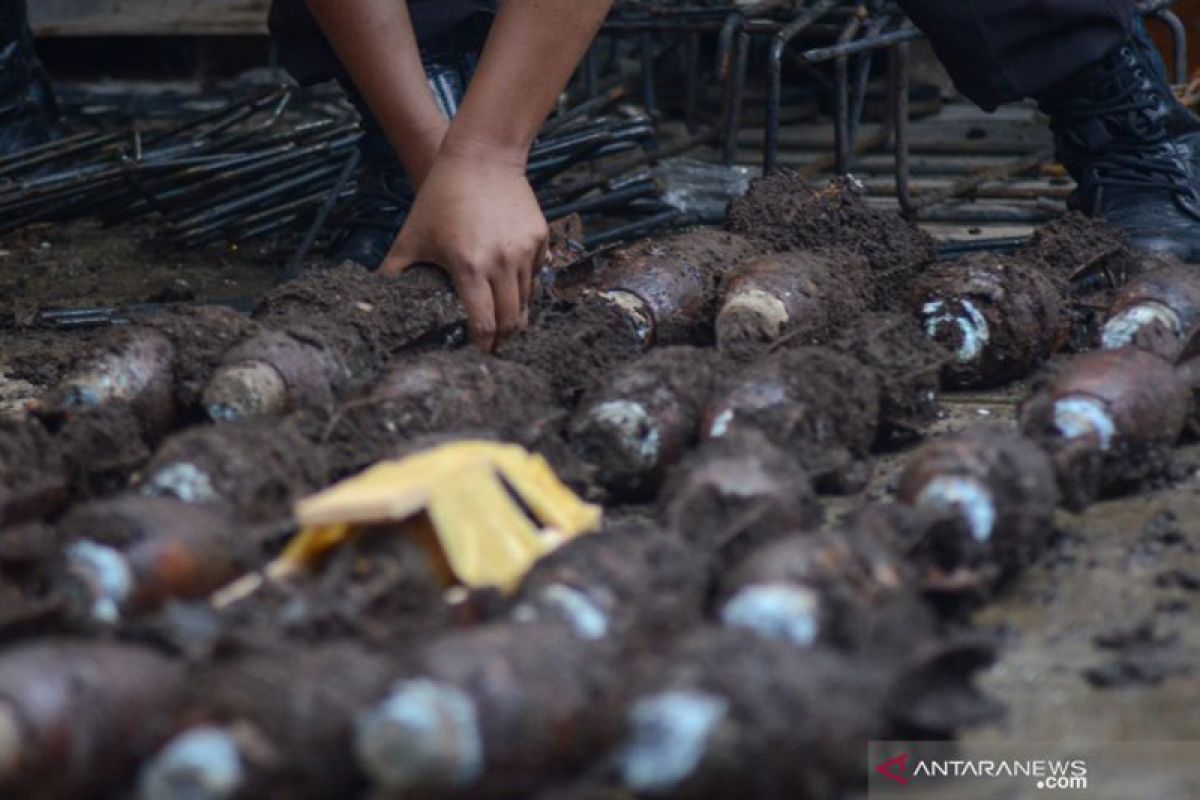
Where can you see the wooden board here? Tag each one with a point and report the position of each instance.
(148, 17)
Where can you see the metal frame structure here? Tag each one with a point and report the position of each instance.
(847, 33)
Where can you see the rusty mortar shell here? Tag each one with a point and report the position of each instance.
(587, 616)
(734, 492)
(490, 709)
(668, 287)
(800, 293)
(1168, 297)
(75, 716)
(999, 486)
(631, 583)
(137, 370)
(820, 405)
(1112, 397)
(643, 418)
(730, 708)
(998, 317)
(134, 553)
(272, 373)
(834, 587)
(254, 724)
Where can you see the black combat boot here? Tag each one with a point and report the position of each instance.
(377, 212)
(28, 113)
(1132, 149)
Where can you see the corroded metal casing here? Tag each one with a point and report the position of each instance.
(999, 317)
(494, 711)
(799, 293)
(135, 367)
(1169, 296)
(998, 487)
(674, 282)
(637, 423)
(132, 553)
(75, 716)
(1113, 399)
(820, 405)
(272, 373)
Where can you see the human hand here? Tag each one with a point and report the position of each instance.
(476, 217)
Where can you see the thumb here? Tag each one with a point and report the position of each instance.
(402, 256)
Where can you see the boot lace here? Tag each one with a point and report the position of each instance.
(1138, 153)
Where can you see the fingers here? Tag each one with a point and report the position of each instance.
(506, 290)
(477, 296)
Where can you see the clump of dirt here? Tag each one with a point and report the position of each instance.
(997, 493)
(784, 211)
(30, 604)
(642, 417)
(40, 358)
(1094, 260)
(435, 393)
(33, 482)
(820, 405)
(909, 366)
(102, 448)
(575, 345)
(201, 335)
(676, 279)
(256, 469)
(1074, 247)
(366, 317)
(1140, 655)
(632, 583)
(999, 317)
(734, 493)
(382, 587)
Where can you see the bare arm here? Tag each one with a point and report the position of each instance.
(476, 215)
(375, 42)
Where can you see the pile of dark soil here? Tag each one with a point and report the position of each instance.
(789, 214)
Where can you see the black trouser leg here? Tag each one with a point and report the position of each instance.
(28, 112)
(998, 51)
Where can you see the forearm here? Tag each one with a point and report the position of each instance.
(533, 48)
(375, 42)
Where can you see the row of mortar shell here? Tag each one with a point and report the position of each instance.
(308, 343)
(175, 538)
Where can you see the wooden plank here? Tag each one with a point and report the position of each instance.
(66, 18)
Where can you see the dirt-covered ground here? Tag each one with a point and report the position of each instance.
(1098, 635)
